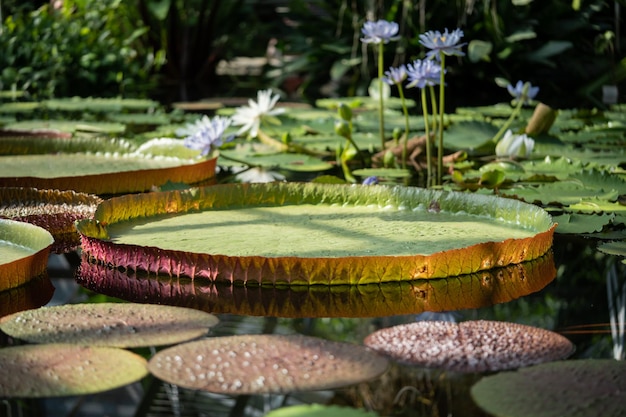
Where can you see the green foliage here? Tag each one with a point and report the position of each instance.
(81, 49)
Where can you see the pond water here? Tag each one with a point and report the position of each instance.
(566, 292)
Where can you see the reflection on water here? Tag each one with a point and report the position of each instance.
(482, 289)
(35, 293)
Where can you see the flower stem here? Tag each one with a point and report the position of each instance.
(516, 111)
(406, 125)
(429, 164)
(380, 98)
(442, 86)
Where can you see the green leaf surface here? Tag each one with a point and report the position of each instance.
(588, 387)
(58, 370)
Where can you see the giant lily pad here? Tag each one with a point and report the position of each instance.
(287, 233)
(93, 166)
(54, 210)
(481, 289)
(24, 251)
(56, 370)
(109, 324)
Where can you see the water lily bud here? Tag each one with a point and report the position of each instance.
(397, 132)
(542, 119)
(514, 146)
(344, 111)
(286, 138)
(342, 128)
(389, 160)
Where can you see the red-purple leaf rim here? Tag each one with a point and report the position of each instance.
(480, 289)
(302, 234)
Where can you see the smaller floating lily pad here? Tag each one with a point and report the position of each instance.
(56, 370)
(109, 324)
(259, 364)
(589, 387)
(470, 346)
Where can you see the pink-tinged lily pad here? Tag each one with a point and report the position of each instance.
(575, 388)
(476, 290)
(109, 324)
(289, 233)
(57, 370)
(54, 210)
(24, 251)
(469, 346)
(96, 166)
(258, 364)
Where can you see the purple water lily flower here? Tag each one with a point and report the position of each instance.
(422, 73)
(395, 75)
(206, 134)
(373, 180)
(446, 43)
(380, 31)
(523, 91)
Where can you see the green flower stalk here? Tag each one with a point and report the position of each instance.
(380, 33)
(396, 76)
(523, 93)
(422, 74)
(439, 46)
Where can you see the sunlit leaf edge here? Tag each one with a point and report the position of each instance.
(22, 270)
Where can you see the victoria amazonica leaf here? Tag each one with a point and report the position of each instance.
(289, 233)
(24, 251)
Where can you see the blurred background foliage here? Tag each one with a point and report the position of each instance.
(173, 50)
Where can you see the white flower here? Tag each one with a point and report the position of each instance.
(255, 174)
(251, 116)
(206, 134)
(514, 146)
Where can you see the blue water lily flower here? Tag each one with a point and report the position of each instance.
(422, 73)
(523, 91)
(206, 135)
(373, 180)
(446, 43)
(395, 75)
(380, 31)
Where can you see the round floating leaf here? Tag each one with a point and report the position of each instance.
(469, 346)
(56, 370)
(109, 324)
(288, 233)
(617, 248)
(98, 166)
(257, 364)
(476, 290)
(24, 251)
(319, 410)
(576, 388)
(54, 210)
(97, 104)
